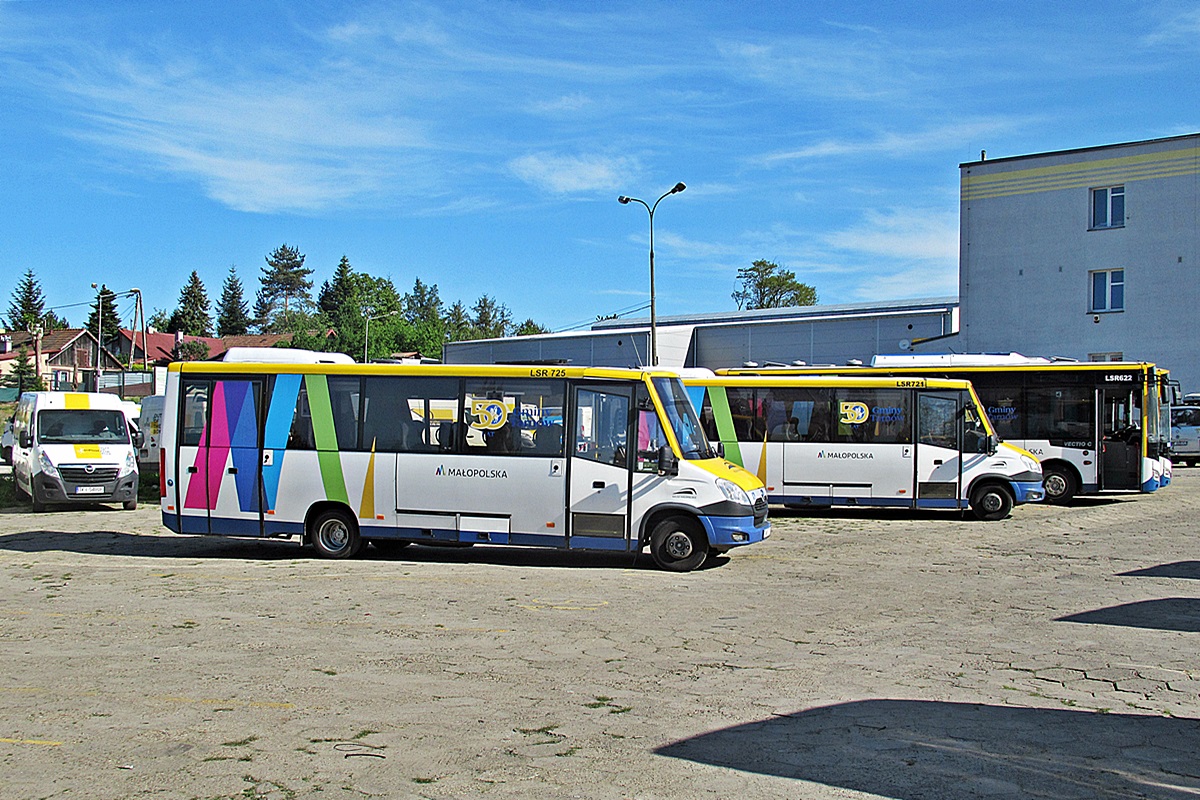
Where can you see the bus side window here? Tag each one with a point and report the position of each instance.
(195, 411)
(301, 436)
(975, 436)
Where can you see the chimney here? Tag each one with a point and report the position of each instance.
(5, 343)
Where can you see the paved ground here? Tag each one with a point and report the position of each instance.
(852, 655)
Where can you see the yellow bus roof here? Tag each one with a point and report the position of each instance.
(833, 381)
(429, 370)
(941, 369)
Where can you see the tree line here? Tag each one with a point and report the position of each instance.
(353, 312)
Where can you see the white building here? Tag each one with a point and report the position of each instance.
(1090, 254)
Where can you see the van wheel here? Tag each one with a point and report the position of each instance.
(38, 505)
(1059, 484)
(130, 505)
(991, 502)
(335, 535)
(678, 545)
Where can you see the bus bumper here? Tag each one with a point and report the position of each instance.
(727, 532)
(1028, 491)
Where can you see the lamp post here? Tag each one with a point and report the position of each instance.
(99, 327)
(623, 200)
(367, 329)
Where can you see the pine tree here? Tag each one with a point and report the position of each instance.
(530, 328)
(24, 375)
(191, 318)
(104, 314)
(233, 315)
(284, 280)
(489, 319)
(28, 306)
(342, 293)
(457, 323)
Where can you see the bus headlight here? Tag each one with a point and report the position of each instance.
(733, 493)
(47, 466)
(1030, 464)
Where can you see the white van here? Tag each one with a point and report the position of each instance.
(1185, 434)
(73, 447)
(150, 424)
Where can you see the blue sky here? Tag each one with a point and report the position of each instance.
(482, 146)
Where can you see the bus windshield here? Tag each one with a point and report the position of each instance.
(81, 426)
(683, 419)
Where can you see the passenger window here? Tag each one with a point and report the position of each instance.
(344, 396)
(872, 416)
(514, 416)
(650, 436)
(975, 435)
(405, 415)
(195, 411)
(937, 417)
(602, 427)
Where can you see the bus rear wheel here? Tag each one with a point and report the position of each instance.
(991, 502)
(678, 545)
(1059, 483)
(335, 535)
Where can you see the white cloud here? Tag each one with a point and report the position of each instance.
(568, 174)
(923, 234)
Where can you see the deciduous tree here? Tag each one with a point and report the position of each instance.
(767, 285)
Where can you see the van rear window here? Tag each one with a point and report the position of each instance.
(76, 426)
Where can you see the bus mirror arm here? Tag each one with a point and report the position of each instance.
(668, 464)
(719, 448)
(993, 444)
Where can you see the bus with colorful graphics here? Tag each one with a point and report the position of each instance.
(339, 456)
(901, 442)
(1095, 426)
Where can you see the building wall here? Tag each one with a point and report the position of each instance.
(1027, 252)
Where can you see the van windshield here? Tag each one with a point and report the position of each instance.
(81, 426)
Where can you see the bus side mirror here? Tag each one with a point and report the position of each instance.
(26, 440)
(720, 448)
(993, 444)
(668, 464)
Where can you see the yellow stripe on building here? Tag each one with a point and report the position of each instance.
(1076, 175)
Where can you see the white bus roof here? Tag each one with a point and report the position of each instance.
(963, 360)
(283, 355)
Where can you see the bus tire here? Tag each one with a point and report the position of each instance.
(991, 502)
(1060, 484)
(334, 534)
(678, 544)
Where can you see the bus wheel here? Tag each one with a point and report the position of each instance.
(1059, 484)
(991, 502)
(335, 535)
(677, 545)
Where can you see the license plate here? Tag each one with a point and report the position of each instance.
(89, 490)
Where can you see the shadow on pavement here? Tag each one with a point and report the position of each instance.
(1167, 614)
(116, 543)
(1179, 569)
(912, 750)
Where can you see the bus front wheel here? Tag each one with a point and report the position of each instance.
(1059, 483)
(335, 535)
(678, 545)
(991, 502)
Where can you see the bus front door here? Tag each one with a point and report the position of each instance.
(1121, 440)
(939, 456)
(599, 469)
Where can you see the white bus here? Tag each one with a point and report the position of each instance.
(340, 455)
(900, 442)
(1093, 425)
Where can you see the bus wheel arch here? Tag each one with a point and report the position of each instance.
(1060, 481)
(332, 530)
(678, 542)
(991, 501)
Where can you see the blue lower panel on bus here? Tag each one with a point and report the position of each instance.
(1028, 491)
(1150, 485)
(733, 531)
(938, 502)
(825, 502)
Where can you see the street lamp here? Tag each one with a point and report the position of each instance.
(623, 200)
(367, 329)
(99, 327)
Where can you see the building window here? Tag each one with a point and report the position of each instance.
(1117, 356)
(1108, 207)
(1108, 290)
